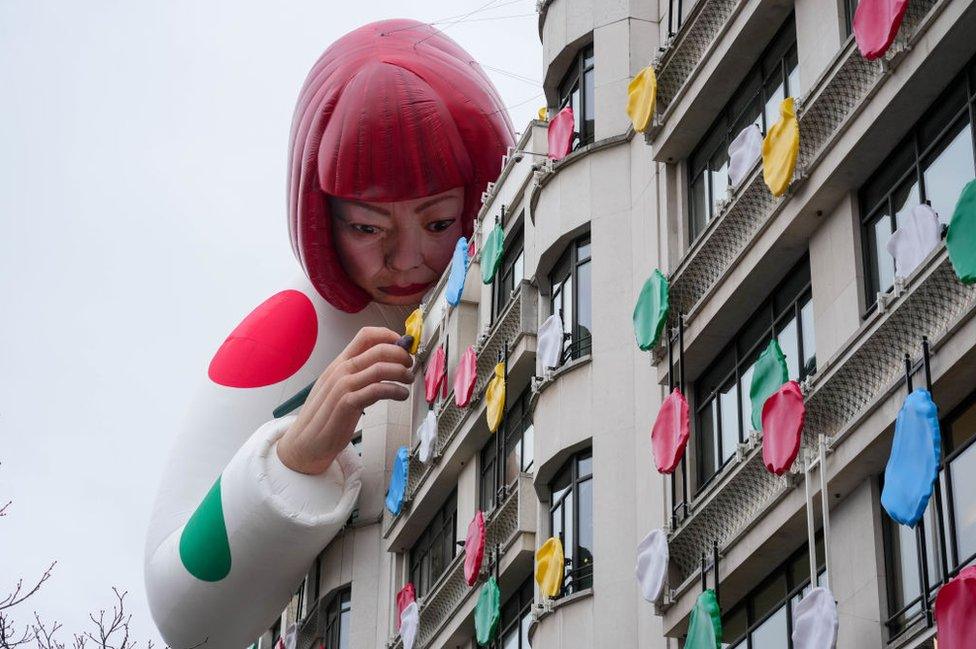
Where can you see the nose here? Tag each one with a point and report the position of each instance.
(405, 252)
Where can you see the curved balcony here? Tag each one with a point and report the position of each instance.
(852, 385)
(462, 431)
(446, 611)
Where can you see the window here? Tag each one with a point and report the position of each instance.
(570, 282)
(516, 616)
(516, 452)
(571, 519)
(849, 7)
(757, 100)
(576, 90)
(723, 410)
(436, 547)
(763, 619)
(949, 521)
(931, 165)
(677, 12)
(337, 620)
(510, 274)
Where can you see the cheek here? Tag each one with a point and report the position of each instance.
(360, 258)
(438, 250)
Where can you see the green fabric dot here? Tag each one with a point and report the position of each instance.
(491, 254)
(651, 311)
(487, 612)
(705, 623)
(204, 548)
(768, 374)
(961, 239)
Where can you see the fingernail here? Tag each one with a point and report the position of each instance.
(406, 341)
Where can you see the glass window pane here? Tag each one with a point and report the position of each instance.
(734, 626)
(948, 172)
(729, 411)
(584, 312)
(789, 341)
(961, 429)
(744, 384)
(792, 74)
(560, 484)
(567, 306)
(719, 171)
(528, 440)
(556, 521)
(883, 271)
(775, 94)
(809, 337)
(569, 538)
(963, 473)
(773, 633)
(585, 524)
(699, 205)
(588, 111)
(905, 199)
(583, 252)
(768, 597)
(526, 623)
(904, 561)
(511, 640)
(584, 466)
(707, 443)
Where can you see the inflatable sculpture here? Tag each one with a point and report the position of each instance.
(396, 134)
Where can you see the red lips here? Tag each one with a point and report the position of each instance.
(403, 291)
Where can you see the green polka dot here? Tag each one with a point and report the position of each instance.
(768, 374)
(961, 240)
(204, 547)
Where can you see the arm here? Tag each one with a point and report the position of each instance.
(235, 527)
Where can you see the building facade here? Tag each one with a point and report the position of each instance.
(572, 457)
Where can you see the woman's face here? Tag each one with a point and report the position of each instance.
(397, 251)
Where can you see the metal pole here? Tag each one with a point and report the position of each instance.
(825, 505)
(811, 534)
(943, 556)
(681, 387)
(715, 568)
(704, 573)
(923, 572)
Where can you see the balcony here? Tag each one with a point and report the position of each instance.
(447, 609)
(516, 327)
(824, 115)
(841, 397)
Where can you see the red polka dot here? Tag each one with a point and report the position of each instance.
(269, 345)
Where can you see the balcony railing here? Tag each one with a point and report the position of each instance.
(842, 394)
(823, 116)
(698, 33)
(517, 320)
(515, 515)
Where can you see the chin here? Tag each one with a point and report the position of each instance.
(395, 300)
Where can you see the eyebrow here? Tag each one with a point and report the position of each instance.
(420, 208)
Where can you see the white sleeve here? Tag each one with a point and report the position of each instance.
(275, 522)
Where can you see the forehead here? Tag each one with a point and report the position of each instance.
(386, 208)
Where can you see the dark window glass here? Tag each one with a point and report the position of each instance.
(723, 410)
(337, 622)
(677, 12)
(516, 437)
(571, 519)
(950, 530)
(571, 297)
(761, 619)
(931, 165)
(510, 274)
(577, 91)
(774, 77)
(436, 547)
(516, 616)
(849, 7)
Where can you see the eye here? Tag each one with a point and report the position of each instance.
(363, 228)
(440, 226)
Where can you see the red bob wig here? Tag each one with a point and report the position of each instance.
(392, 111)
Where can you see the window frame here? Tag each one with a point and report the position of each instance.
(786, 301)
(332, 628)
(576, 77)
(512, 259)
(575, 578)
(493, 469)
(943, 559)
(728, 123)
(523, 598)
(568, 268)
(442, 529)
(914, 147)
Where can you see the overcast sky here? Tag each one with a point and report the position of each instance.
(142, 214)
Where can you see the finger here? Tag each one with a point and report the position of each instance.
(374, 374)
(343, 418)
(368, 337)
(382, 353)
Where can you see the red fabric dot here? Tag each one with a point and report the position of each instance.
(269, 345)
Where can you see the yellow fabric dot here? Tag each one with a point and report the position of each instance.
(549, 567)
(544, 114)
(641, 98)
(415, 328)
(780, 148)
(495, 396)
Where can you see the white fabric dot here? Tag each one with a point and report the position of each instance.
(652, 564)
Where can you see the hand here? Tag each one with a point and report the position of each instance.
(359, 377)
